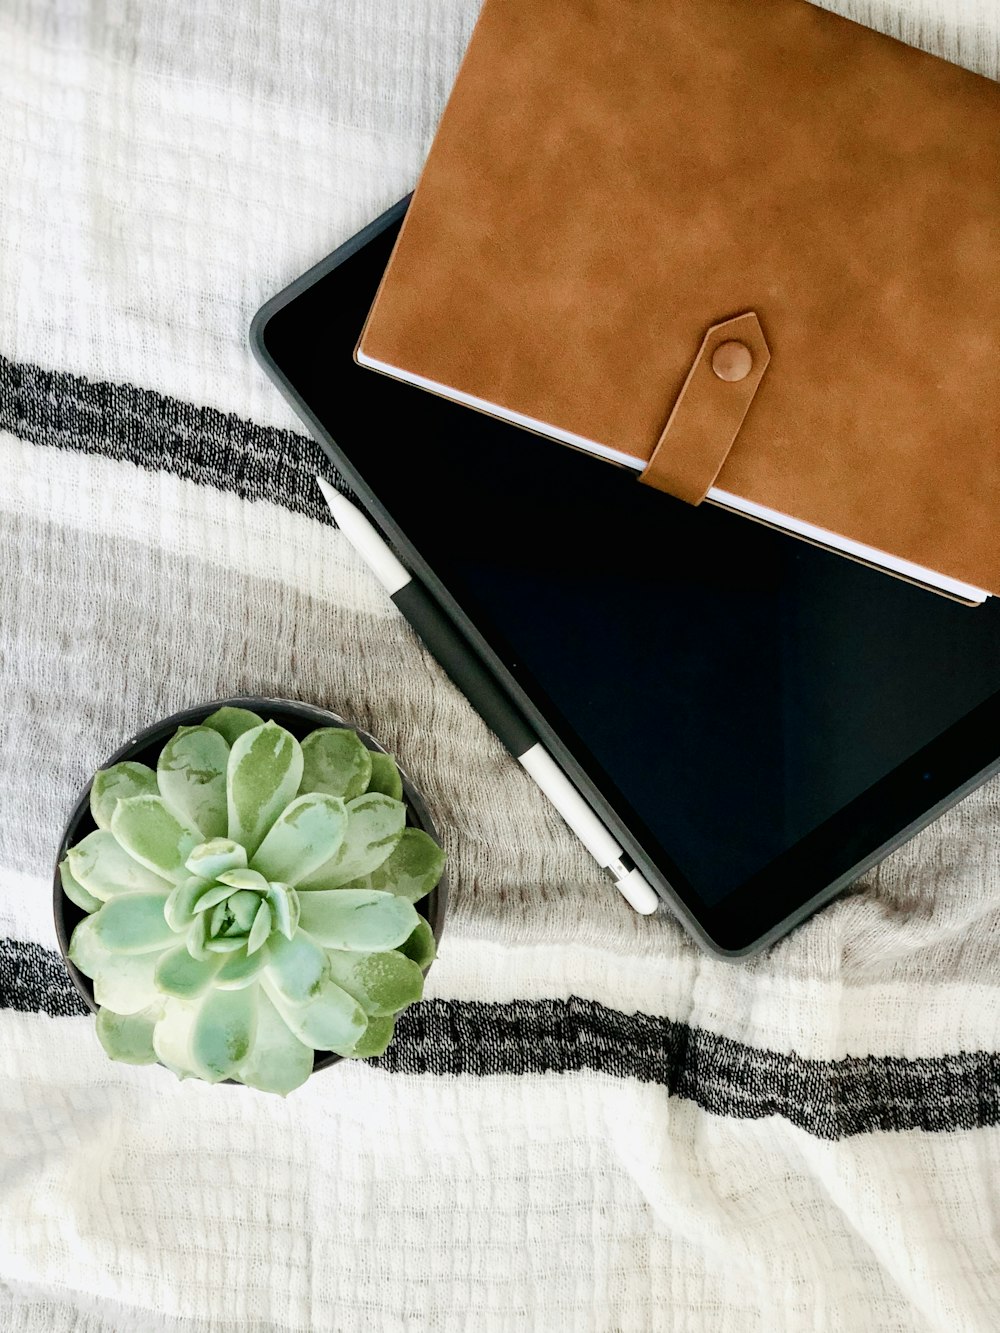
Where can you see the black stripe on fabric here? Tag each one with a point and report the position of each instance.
(153, 431)
(35, 980)
(830, 1099)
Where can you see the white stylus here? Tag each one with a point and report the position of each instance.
(444, 642)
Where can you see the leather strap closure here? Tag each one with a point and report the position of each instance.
(710, 410)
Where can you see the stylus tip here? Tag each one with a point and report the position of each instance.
(362, 535)
(329, 494)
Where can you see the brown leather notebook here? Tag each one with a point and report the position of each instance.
(746, 247)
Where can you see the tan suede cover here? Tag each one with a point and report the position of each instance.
(612, 178)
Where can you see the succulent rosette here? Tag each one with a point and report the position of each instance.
(251, 902)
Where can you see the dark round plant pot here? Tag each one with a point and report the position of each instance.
(145, 747)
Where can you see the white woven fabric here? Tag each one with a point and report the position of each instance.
(164, 167)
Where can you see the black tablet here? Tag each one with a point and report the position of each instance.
(758, 720)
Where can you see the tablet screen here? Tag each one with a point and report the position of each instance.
(730, 689)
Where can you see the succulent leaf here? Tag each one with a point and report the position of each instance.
(335, 761)
(358, 920)
(125, 983)
(412, 869)
(296, 967)
(307, 834)
(225, 944)
(331, 1020)
(86, 951)
(75, 891)
(153, 835)
(277, 1061)
(133, 923)
(283, 902)
(265, 768)
(128, 1037)
(223, 1031)
(244, 879)
(375, 1038)
(240, 968)
(231, 723)
(177, 973)
(105, 869)
(382, 983)
(191, 773)
(213, 897)
(211, 859)
(261, 929)
(196, 937)
(386, 777)
(375, 825)
(179, 909)
(420, 946)
(172, 1036)
(110, 785)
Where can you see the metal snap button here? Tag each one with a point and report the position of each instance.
(732, 361)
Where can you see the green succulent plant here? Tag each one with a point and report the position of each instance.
(250, 902)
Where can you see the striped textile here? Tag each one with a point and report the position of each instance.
(587, 1124)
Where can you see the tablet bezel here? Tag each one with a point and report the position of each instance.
(803, 878)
